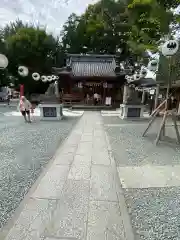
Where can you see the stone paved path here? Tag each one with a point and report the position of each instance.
(79, 197)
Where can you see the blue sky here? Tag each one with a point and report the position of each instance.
(52, 13)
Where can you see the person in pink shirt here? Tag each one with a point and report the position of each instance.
(25, 108)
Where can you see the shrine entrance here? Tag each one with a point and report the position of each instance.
(87, 76)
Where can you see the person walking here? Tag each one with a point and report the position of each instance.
(96, 96)
(25, 107)
(8, 96)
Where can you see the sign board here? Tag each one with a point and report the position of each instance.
(49, 112)
(133, 112)
(108, 101)
(152, 91)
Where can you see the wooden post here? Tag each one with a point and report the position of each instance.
(156, 96)
(162, 128)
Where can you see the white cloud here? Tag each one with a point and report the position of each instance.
(50, 13)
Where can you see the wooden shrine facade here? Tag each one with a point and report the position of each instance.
(85, 75)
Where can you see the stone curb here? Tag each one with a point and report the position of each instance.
(121, 199)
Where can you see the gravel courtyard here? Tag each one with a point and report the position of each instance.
(25, 149)
(150, 177)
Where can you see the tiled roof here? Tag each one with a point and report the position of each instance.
(98, 66)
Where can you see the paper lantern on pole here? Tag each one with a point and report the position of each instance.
(36, 76)
(53, 77)
(137, 76)
(49, 78)
(44, 78)
(3, 61)
(170, 48)
(23, 71)
(153, 65)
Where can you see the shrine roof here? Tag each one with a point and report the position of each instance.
(92, 65)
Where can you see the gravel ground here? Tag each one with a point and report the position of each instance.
(154, 212)
(131, 149)
(25, 151)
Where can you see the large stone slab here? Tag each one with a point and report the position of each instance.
(99, 142)
(81, 168)
(32, 220)
(149, 176)
(84, 148)
(99, 133)
(70, 217)
(69, 148)
(52, 183)
(86, 138)
(104, 221)
(73, 139)
(100, 157)
(102, 185)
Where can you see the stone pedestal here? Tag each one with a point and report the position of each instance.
(51, 111)
(131, 111)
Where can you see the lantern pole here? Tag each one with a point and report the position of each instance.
(21, 90)
(168, 50)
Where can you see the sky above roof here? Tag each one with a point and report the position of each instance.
(50, 13)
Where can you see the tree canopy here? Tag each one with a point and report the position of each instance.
(109, 25)
(150, 21)
(31, 47)
(103, 28)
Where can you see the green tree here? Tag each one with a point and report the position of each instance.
(103, 28)
(34, 48)
(150, 20)
(12, 28)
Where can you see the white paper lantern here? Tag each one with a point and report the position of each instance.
(152, 91)
(49, 78)
(36, 76)
(137, 76)
(23, 71)
(153, 65)
(170, 48)
(3, 61)
(44, 78)
(57, 77)
(129, 78)
(53, 77)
